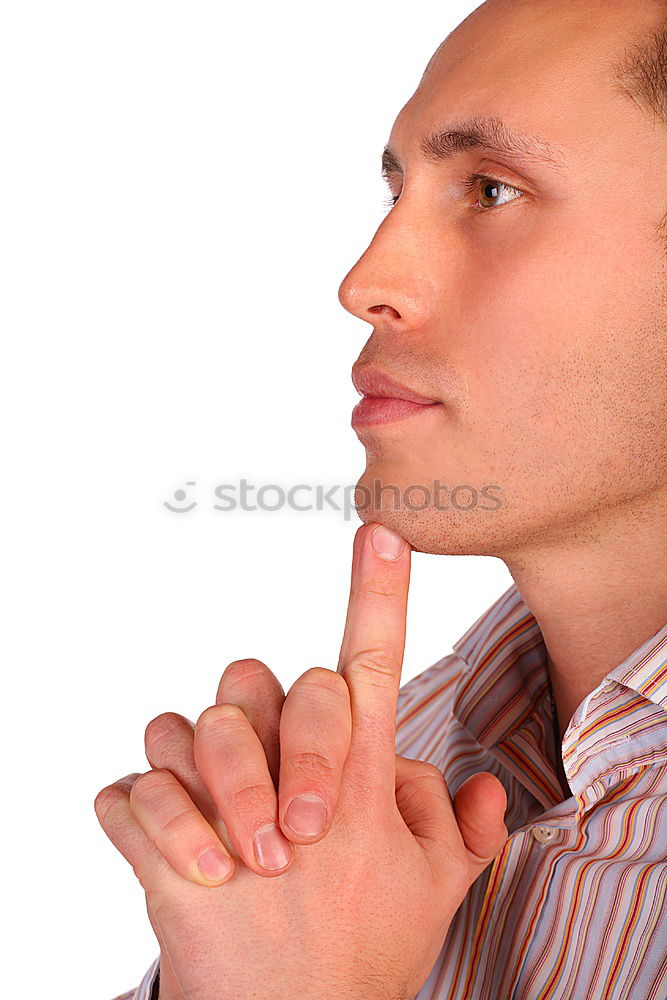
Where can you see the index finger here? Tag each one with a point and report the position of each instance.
(371, 654)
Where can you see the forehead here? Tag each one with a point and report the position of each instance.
(545, 67)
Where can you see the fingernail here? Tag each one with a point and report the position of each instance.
(307, 814)
(214, 865)
(386, 543)
(272, 849)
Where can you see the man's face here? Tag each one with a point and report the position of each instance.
(534, 309)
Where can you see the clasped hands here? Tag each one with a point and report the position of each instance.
(349, 895)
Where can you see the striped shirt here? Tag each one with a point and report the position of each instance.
(575, 905)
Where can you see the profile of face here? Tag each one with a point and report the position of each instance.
(530, 303)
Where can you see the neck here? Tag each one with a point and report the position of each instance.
(596, 595)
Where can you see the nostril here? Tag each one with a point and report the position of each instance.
(378, 309)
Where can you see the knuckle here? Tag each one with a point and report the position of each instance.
(112, 794)
(430, 770)
(375, 662)
(311, 763)
(246, 669)
(160, 730)
(246, 677)
(323, 683)
(381, 592)
(105, 800)
(252, 798)
(151, 785)
(181, 822)
(216, 716)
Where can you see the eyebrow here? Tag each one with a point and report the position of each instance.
(479, 132)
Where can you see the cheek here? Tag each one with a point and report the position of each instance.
(512, 339)
(563, 355)
(531, 302)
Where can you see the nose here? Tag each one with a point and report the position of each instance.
(391, 278)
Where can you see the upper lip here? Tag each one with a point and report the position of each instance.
(370, 381)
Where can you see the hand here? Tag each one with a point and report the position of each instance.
(360, 913)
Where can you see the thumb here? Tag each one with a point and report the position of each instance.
(480, 805)
(475, 815)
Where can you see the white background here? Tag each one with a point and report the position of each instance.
(184, 187)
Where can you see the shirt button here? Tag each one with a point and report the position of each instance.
(544, 833)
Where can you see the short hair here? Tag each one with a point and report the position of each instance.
(641, 74)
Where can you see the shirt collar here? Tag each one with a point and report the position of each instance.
(505, 670)
(503, 698)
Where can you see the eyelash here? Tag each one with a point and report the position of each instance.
(470, 182)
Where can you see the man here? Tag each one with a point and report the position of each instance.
(517, 293)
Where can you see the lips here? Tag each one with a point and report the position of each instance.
(374, 382)
(384, 399)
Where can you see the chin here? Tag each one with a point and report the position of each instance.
(484, 528)
(432, 532)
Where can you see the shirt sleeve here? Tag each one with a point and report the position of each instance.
(148, 988)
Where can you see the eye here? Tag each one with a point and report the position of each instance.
(471, 182)
(490, 188)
